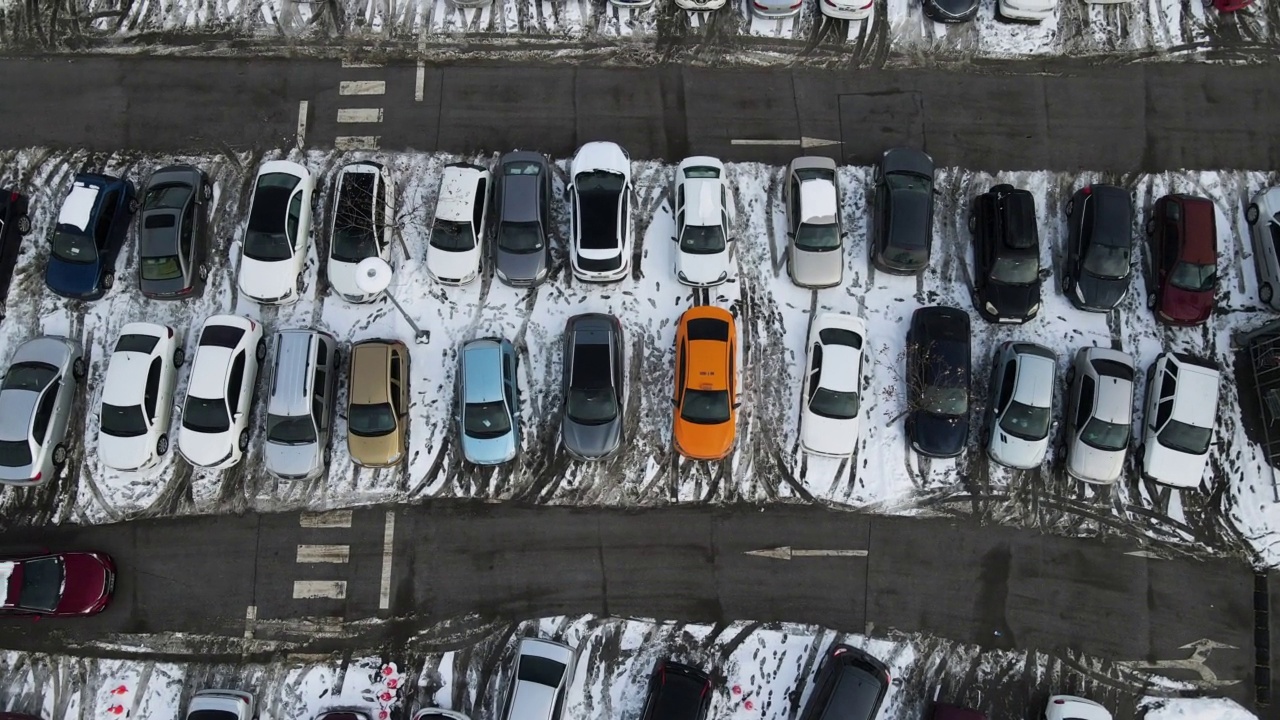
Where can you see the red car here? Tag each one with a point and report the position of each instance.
(1227, 6)
(1182, 262)
(57, 584)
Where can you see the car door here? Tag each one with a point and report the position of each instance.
(107, 208)
(681, 365)
(1008, 379)
(294, 224)
(881, 214)
(1165, 387)
(814, 376)
(151, 393)
(983, 247)
(1084, 403)
(44, 413)
(396, 382)
(511, 389)
(186, 241)
(793, 215)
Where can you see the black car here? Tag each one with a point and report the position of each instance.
(903, 212)
(1096, 275)
(850, 686)
(950, 11)
(14, 223)
(171, 232)
(938, 366)
(677, 692)
(591, 424)
(1006, 251)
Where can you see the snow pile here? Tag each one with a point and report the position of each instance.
(1196, 709)
(6, 570)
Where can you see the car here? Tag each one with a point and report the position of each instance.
(700, 5)
(1178, 416)
(633, 4)
(600, 199)
(304, 382)
(364, 217)
(215, 412)
(853, 10)
(222, 705)
(62, 584)
(851, 685)
(1095, 277)
(1018, 419)
(815, 240)
(1182, 259)
(453, 252)
(1229, 6)
(137, 396)
(539, 680)
(950, 11)
(1026, 11)
(902, 212)
(344, 715)
(172, 231)
(274, 249)
(938, 368)
(488, 401)
(831, 399)
(36, 395)
(593, 392)
(1067, 707)
(704, 214)
(470, 3)
(93, 223)
(1099, 415)
(776, 9)
(15, 222)
(1263, 216)
(439, 714)
(677, 692)
(522, 241)
(378, 403)
(706, 402)
(1006, 255)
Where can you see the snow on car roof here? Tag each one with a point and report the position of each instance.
(458, 189)
(702, 203)
(126, 378)
(839, 368)
(209, 373)
(818, 202)
(78, 206)
(6, 569)
(1196, 385)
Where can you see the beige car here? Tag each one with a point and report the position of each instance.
(378, 403)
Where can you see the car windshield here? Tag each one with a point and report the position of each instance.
(123, 420)
(705, 407)
(1104, 435)
(166, 197)
(164, 267)
(353, 244)
(818, 238)
(702, 239)
(74, 247)
(592, 406)
(41, 584)
(1106, 261)
(205, 415)
(212, 715)
(1015, 270)
(371, 420)
(598, 181)
(267, 246)
(835, 405)
(33, 376)
(286, 430)
(452, 236)
(942, 400)
(15, 453)
(520, 238)
(1193, 277)
(1186, 438)
(1026, 421)
(486, 421)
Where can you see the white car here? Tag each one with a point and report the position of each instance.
(1099, 415)
(454, 251)
(1178, 418)
(700, 5)
(221, 705)
(363, 219)
(1016, 426)
(848, 9)
(543, 670)
(1263, 216)
(600, 205)
(1032, 11)
(274, 250)
(215, 413)
(1069, 707)
(704, 214)
(435, 713)
(831, 402)
(137, 396)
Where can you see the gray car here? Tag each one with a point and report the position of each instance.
(521, 247)
(591, 424)
(42, 381)
(815, 242)
(304, 381)
(171, 232)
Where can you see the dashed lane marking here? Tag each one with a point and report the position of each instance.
(359, 64)
(362, 87)
(330, 519)
(302, 123)
(388, 544)
(323, 553)
(420, 81)
(360, 115)
(356, 142)
(250, 619)
(318, 589)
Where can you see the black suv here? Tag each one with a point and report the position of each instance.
(1006, 250)
(677, 692)
(14, 223)
(850, 686)
(1099, 245)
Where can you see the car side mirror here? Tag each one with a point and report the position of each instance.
(733, 239)
(674, 402)
(737, 405)
(567, 194)
(1046, 273)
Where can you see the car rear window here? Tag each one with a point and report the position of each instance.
(221, 336)
(540, 670)
(840, 336)
(15, 453)
(854, 696)
(137, 343)
(1112, 368)
(708, 329)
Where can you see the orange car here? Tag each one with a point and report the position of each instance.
(706, 396)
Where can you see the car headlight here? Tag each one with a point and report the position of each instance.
(991, 308)
(1033, 309)
(542, 274)
(682, 276)
(501, 275)
(1079, 291)
(723, 276)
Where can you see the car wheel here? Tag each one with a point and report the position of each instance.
(1068, 283)
(1151, 226)
(208, 191)
(1251, 213)
(260, 351)
(328, 456)
(299, 283)
(973, 224)
(4, 310)
(78, 369)
(1060, 452)
(108, 281)
(24, 225)
(1151, 301)
(1264, 293)
(203, 272)
(244, 440)
(60, 455)
(1071, 377)
(133, 205)
(1071, 206)
(162, 445)
(179, 357)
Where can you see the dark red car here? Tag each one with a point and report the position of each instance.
(1182, 259)
(57, 584)
(1227, 6)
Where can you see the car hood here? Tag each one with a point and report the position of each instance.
(704, 441)
(1014, 301)
(489, 451)
(124, 453)
(521, 267)
(375, 451)
(71, 278)
(591, 441)
(218, 703)
(956, 8)
(1186, 306)
(828, 436)
(1101, 293)
(1090, 463)
(938, 435)
(204, 449)
(85, 582)
(342, 278)
(451, 264)
(1174, 467)
(1016, 452)
(817, 268)
(266, 279)
(292, 461)
(703, 269)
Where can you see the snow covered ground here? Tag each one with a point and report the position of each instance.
(760, 672)
(773, 321)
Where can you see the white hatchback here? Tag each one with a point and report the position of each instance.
(276, 239)
(215, 413)
(704, 214)
(454, 251)
(1017, 424)
(848, 9)
(1178, 418)
(137, 397)
(831, 401)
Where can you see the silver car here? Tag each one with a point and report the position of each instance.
(42, 381)
(539, 680)
(304, 381)
(1099, 415)
(815, 241)
(1016, 428)
(1263, 216)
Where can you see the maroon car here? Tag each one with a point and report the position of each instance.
(1182, 259)
(57, 584)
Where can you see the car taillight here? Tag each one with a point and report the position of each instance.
(887, 678)
(170, 330)
(252, 325)
(13, 197)
(839, 651)
(1059, 702)
(36, 479)
(1088, 189)
(797, 5)
(705, 689)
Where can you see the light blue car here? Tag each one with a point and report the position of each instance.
(488, 401)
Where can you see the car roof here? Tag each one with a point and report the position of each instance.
(839, 368)
(1196, 385)
(819, 162)
(702, 201)
(208, 377)
(370, 379)
(482, 369)
(1199, 224)
(127, 371)
(818, 202)
(458, 186)
(520, 198)
(1034, 383)
(77, 207)
(290, 384)
(680, 694)
(601, 155)
(707, 355)
(17, 407)
(284, 166)
(549, 649)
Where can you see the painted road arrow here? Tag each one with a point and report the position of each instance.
(786, 552)
(1197, 663)
(804, 142)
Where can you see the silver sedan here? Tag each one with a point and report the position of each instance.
(36, 394)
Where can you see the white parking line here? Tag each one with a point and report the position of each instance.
(330, 519)
(360, 115)
(388, 544)
(356, 142)
(324, 553)
(302, 123)
(313, 589)
(362, 87)
(359, 64)
(422, 80)
(250, 619)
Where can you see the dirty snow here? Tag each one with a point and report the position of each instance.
(1196, 709)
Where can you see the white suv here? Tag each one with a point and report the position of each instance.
(704, 214)
(222, 705)
(1178, 419)
(215, 414)
(457, 234)
(1016, 426)
(539, 680)
(137, 396)
(600, 198)
(1099, 416)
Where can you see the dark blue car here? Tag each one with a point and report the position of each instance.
(92, 225)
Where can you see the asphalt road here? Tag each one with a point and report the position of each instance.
(1140, 117)
(987, 585)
